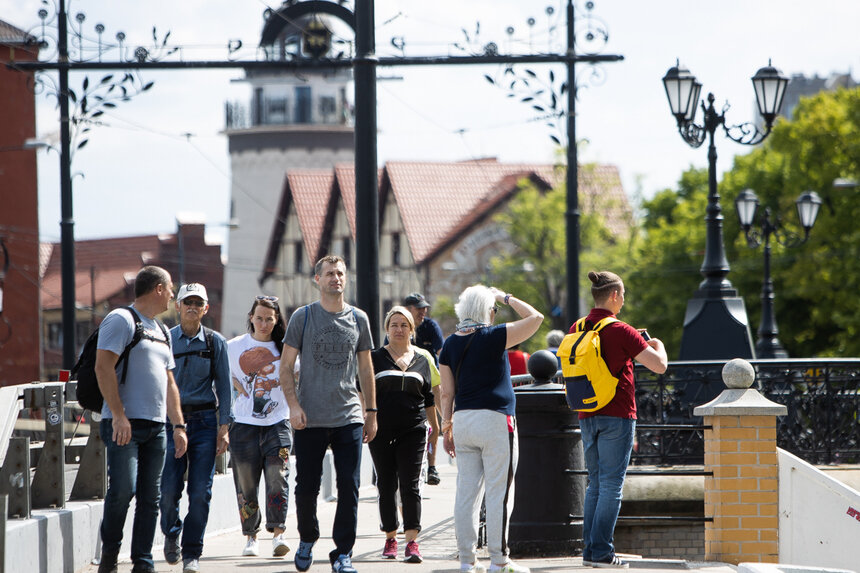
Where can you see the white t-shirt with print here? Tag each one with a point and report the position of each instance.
(255, 366)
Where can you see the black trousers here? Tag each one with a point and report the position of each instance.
(397, 456)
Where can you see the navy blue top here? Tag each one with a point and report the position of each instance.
(196, 388)
(485, 375)
(428, 336)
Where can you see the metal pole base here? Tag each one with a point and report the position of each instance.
(716, 329)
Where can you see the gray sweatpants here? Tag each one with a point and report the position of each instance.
(486, 450)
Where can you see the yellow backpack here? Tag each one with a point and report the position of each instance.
(588, 383)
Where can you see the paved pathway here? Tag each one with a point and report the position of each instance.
(222, 552)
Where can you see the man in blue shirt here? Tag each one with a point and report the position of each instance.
(202, 374)
(428, 336)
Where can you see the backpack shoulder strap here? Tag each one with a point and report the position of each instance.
(604, 322)
(135, 339)
(209, 335)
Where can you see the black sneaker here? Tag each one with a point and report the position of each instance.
(433, 476)
(107, 563)
(142, 568)
(172, 551)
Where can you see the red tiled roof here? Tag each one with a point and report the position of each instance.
(311, 190)
(115, 260)
(451, 192)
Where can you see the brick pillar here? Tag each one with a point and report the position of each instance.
(740, 450)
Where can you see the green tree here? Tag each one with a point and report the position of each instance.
(536, 270)
(665, 259)
(816, 285)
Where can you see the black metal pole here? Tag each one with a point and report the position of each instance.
(572, 213)
(768, 344)
(67, 222)
(366, 191)
(715, 267)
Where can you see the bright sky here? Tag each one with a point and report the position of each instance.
(140, 169)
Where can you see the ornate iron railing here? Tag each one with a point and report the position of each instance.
(822, 397)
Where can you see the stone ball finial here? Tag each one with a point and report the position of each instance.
(738, 373)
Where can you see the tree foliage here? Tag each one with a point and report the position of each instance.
(816, 304)
(537, 270)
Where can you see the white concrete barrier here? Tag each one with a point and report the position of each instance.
(67, 540)
(819, 518)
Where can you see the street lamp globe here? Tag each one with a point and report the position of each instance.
(807, 209)
(746, 205)
(682, 90)
(769, 84)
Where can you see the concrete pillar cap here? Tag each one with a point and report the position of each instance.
(738, 399)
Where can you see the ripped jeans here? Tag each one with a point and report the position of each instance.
(255, 450)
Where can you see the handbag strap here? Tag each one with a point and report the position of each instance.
(460, 363)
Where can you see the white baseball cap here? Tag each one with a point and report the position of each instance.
(192, 289)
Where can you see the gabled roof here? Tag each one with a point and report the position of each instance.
(116, 262)
(437, 202)
(310, 191)
(451, 192)
(10, 34)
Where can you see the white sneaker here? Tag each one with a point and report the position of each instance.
(509, 567)
(279, 546)
(190, 566)
(472, 568)
(251, 548)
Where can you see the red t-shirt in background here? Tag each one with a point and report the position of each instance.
(519, 361)
(620, 343)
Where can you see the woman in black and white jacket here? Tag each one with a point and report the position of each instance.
(404, 378)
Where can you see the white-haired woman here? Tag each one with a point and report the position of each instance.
(478, 415)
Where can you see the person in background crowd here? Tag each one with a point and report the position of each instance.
(428, 335)
(553, 341)
(478, 418)
(260, 437)
(202, 374)
(519, 360)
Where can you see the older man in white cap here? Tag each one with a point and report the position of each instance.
(202, 374)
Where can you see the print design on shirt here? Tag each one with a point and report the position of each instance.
(257, 365)
(330, 350)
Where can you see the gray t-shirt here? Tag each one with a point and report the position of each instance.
(328, 344)
(144, 394)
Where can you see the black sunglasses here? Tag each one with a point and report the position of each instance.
(197, 303)
(496, 308)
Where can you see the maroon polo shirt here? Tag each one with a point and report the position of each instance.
(619, 343)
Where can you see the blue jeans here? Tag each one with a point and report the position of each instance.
(199, 460)
(607, 442)
(134, 471)
(256, 450)
(310, 447)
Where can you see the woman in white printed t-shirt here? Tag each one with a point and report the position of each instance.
(260, 437)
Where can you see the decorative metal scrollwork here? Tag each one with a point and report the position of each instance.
(543, 92)
(822, 398)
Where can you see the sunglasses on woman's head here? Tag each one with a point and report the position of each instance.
(267, 297)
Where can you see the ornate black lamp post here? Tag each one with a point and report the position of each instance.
(715, 326)
(768, 345)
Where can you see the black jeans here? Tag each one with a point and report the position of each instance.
(309, 446)
(397, 456)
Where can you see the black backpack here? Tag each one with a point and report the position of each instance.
(84, 371)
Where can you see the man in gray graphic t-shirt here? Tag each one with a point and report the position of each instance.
(326, 408)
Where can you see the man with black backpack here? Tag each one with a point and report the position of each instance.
(134, 415)
(202, 374)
